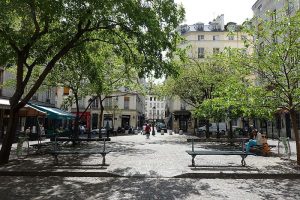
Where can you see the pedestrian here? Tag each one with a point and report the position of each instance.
(27, 131)
(258, 138)
(147, 130)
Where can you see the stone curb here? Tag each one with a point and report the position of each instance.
(238, 176)
(186, 175)
(62, 174)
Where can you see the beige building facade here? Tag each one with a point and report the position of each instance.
(202, 41)
(281, 126)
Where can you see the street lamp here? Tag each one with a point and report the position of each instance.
(153, 132)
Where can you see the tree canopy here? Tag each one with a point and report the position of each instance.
(40, 32)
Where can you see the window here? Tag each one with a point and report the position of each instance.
(157, 112)
(216, 50)
(126, 103)
(291, 7)
(150, 98)
(215, 37)
(95, 104)
(183, 106)
(162, 105)
(201, 52)
(48, 96)
(274, 15)
(244, 37)
(157, 105)
(108, 103)
(200, 37)
(150, 105)
(66, 91)
(234, 122)
(231, 37)
(259, 8)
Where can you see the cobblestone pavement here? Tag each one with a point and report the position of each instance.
(90, 188)
(147, 168)
(159, 156)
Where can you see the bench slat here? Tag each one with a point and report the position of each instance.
(218, 153)
(80, 152)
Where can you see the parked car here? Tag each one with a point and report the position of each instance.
(213, 128)
(160, 127)
(95, 131)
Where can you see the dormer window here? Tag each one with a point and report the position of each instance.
(184, 28)
(199, 26)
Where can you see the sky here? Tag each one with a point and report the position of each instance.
(206, 10)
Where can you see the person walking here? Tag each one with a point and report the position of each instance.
(147, 130)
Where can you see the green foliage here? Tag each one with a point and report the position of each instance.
(40, 32)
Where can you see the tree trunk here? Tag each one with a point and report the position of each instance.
(9, 136)
(76, 123)
(293, 115)
(207, 128)
(100, 118)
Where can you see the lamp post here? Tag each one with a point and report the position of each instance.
(153, 132)
(114, 112)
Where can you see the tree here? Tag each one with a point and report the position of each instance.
(108, 73)
(41, 32)
(195, 83)
(72, 72)
(275, 62)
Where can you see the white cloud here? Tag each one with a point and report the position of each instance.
(206, 10)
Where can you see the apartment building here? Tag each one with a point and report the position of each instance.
(203, 40)
(29, 116)
(262, 7)
(279, 8)
(155, 108)
(121, 108)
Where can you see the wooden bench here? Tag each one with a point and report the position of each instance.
(221, 153)
(55, 153)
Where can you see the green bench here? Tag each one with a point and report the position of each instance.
(55, 153)
(242, 153)
(220, 153)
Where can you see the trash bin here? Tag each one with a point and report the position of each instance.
(180, 132)
(162, 132)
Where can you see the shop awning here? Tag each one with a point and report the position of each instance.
(54, 113)
(30, 111)
(182, 112)
(4, 104)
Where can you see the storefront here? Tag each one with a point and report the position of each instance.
(56, 119)
(85, 119)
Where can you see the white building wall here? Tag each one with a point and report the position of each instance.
(159, 104)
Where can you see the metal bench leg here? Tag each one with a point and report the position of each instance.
(243, 160)
(103, 159)
(193, 160)
(55, 159)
